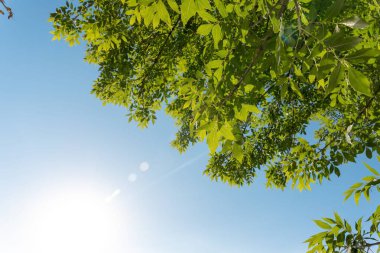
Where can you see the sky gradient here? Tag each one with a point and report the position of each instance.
(57, 138)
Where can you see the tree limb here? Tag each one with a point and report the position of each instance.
(158, 55)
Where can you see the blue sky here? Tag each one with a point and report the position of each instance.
(56, 137)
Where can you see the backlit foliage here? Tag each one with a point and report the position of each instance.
(248, 77)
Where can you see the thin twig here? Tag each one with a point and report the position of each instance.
(284, 4)
(372, 244)
(259, 51)
(256, 56)
(160, 51)
(9, 10)
(298, 11)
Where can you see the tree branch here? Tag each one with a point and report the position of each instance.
(256, 56)
(371, 244)
(160, 51)
(284, 4)
(259, 50)
(298, 11)
(9, 10)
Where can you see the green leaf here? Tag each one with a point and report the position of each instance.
(235, 8)
(207, 16)
(218, 74)
(335, 78)
(322, 224)
(334, 9)
(217, 34)
(205, 29)
(357, 197)
(295, 88)
(148, 15)
(203, 4)
(242, 114)
(202, 134)
(372, 170)
(221, 8)
(237, 152)
(341, 238)
(163, 13)
(275, 24)
(297, 71)
(358, 225)
(173, 4)
(368, 153)
(354, 22)
(329, 220)
(226, 132)
(359, 82)
(369, 178)
(348, 226)
(363, 55)
(341, 43)
(334, 230)
(280, 55)
(156, 21)
(222, 53)
(213, 136)
(188, 10)
(284, 89)
(338, 220)
(304, 20)
(250, 108)
(366, 193)
(214, 64)
(348, 194)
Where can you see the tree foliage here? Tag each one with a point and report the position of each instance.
(248, 77)
(339, 235)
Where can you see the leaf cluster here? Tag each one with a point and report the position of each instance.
(339, 235)
(246, 76)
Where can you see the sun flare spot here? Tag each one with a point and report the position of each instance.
(75, 222)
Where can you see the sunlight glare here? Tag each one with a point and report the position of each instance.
(76, 223)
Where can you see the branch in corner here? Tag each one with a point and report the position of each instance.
(9, 10)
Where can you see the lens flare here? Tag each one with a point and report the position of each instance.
(76, 223)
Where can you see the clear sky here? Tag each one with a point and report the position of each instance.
(60, 148)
